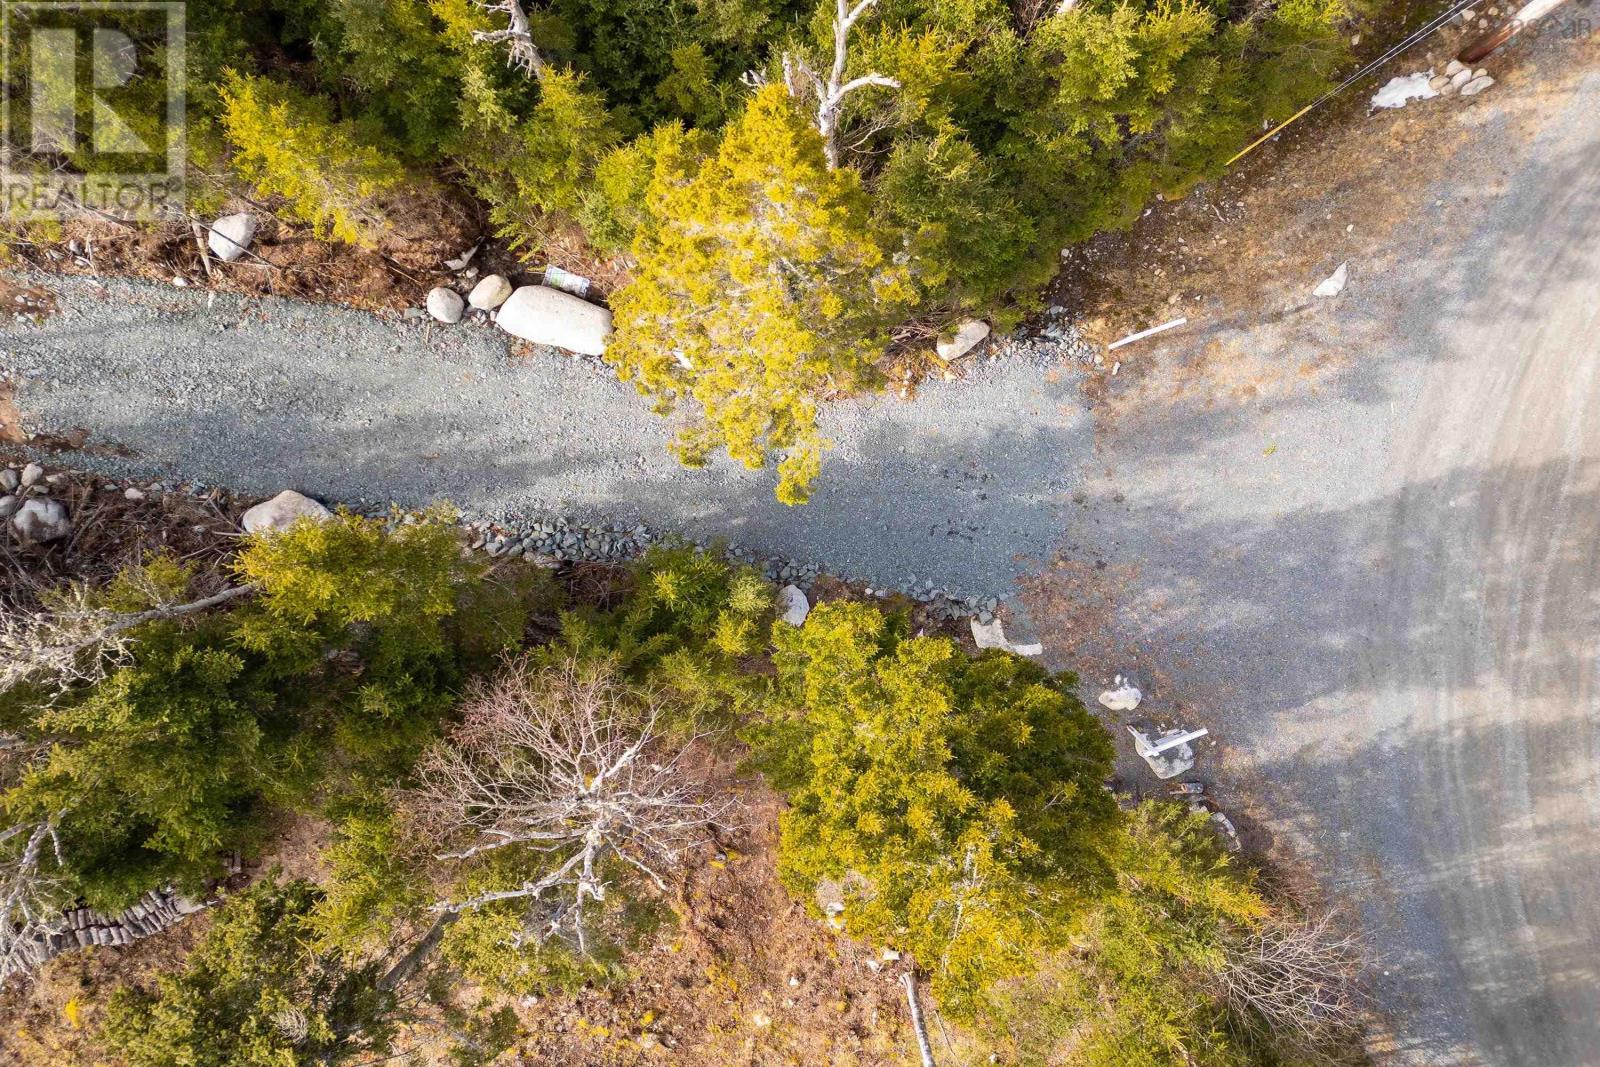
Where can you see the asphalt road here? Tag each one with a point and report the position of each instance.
(1373, 572)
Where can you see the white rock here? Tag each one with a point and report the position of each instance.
(967, 337)
(9, 506)
(231, 235)
(281, 512)
(1454, 67)
(134, 494)
(993, 635)
(548, 316)
(794, 605)
(1402, 89)
(490, 292)
(1476, 86)
(1461, 77)
(42, 519)
(31, 474)
(1125, 697)
(444, 304)
(1333, 284)
(9, 479)
(1438, 82)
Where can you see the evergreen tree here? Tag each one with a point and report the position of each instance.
(762, 289)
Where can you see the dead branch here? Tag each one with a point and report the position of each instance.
(801, 79)
(565, 762)
(1299, 975)
(521, 52)
(73, 640)
(918, 1026)
(31, 893)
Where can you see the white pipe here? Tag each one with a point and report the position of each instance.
(1181, 739)
(1142, 334)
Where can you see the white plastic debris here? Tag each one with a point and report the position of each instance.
(1125, 697)
(1142, 334)
(993, 635)
(566, 281)
(1403, 89)
(1333, 284)
(1168, 755)
(460, 263)
(794, 605)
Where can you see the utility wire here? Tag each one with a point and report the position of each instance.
(1414, 37)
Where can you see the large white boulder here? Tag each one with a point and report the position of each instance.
(548, 316)
(231, 235)
(966, 337)
(490, 292)
(445, 304)
(793, 604)
(281, 512)
(41, 519)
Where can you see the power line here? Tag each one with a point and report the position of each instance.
(1414, 37)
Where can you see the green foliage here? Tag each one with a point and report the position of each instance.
(373, 885)
(490, 946)
(254, 993)
(158, 769)
(288, 144)
(339, 669)
(692, 622)
(953, 805)
(762, 288)
(1138, 986)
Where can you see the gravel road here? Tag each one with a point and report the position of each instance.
(1370, 568)
(262, 394)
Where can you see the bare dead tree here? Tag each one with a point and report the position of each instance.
(801, 79)
(566, 762)
(521, 52)
(1300, 976)
(32, 892)
(73, 639)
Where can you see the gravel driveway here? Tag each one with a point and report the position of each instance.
(1372, 569)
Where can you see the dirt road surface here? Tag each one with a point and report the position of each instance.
(1356, 538)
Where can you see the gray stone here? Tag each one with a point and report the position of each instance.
(966, 337)
(31, 474)
(231, 235)
(9, 480)
(548, 316)
(794, 605)
(445, 305)
(490, 292)
(281, 512)
(42, 519)
(1476, 85)
(9, 506)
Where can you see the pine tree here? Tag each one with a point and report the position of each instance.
(762, 289)
(287, 144)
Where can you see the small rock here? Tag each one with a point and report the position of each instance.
(231, 235)
(1438, 82)
(793, 604)
(1334, 283)
(761, 1020)
(133, 494)
(967, 336)
(42, 519)
(1454, 67)
(890, 955)
(1461, 77)
(490, 292)
(31, 474)
(281, 512)
(9, 506)
(445, 304)
(1476, 85)
(9, 480)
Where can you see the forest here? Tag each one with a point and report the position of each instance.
(502, 787)
(770, 194)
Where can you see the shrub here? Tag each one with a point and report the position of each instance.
(287, 144)
(953, 806)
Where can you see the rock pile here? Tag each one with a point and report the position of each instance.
(82, 927)
(27, 511)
